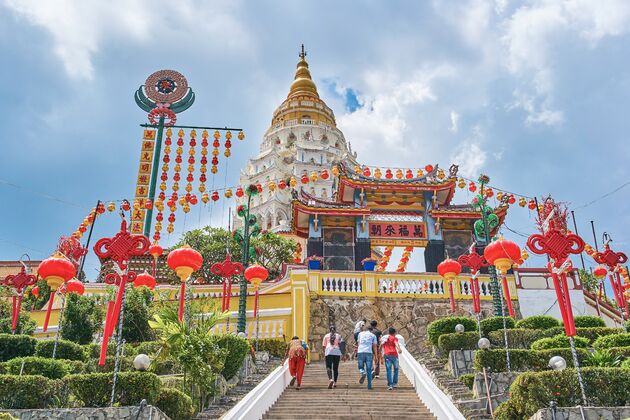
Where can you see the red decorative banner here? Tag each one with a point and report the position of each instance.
(398, 230)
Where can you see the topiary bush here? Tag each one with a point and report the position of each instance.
(458, 341)
(175, 404)
(531, 391)
(94, 389)
(613, 340)
(468, 379)
(149, 348)
(586, 321)
(125, 364)
(593, 333)
(50, 368)
(237, 350)
(7, 416)
(93, 350)
(25, 325)
(523, 360)
(12, 346)
(538, 322)
(65, 350)
(495, 323)
(447, 326)
(82, 319)
(275, 346)
(519, 338)
(27, 391)
(559, 342)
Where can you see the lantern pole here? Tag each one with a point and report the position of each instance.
(577, 233)
(63, 305)
(87, 243)
(242, 296)
(154, 175)
(497, 298)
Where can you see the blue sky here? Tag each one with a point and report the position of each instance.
(534, 93)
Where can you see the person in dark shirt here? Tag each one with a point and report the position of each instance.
(377, 356)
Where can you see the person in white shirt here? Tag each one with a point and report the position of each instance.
(366, 349)
(332, 352)
(358, 327)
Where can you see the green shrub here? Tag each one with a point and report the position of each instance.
(495, 323)
(149, 348)
(531, 391)
(622, 352)
(82, 319)
(585, 321)
(237, 350)
(468, 379)
(124, 364)
(613, 340)
(12, 346)
(27, 391)
(175, 404)
(523, 360)
(65, 350)
(458, 341)
(558, 342)
(593, 333)
(275, 346)
(25, 325)
(52, 369)
(94, 389)
(137, 316)
(538, 322)
(519, 338)
(7, 416)
(75, 366)
(447, 326)
(626, 364)
(93, 350)
(603, 358)
(162, 366)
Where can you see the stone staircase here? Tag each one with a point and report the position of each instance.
(459, 393)
(349, 400)
(222, 404)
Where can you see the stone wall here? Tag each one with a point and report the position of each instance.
(105, 413)
(499, 384)
(460, 362)
(409, 316)
(590, 413)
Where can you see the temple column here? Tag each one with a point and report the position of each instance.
(434, 252)
(362, 246)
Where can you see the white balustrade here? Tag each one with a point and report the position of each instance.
(341, 284)
(409, 286)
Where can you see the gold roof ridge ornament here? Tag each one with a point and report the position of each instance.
(303, 82)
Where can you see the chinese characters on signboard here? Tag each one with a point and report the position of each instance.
(144, 176)
(398, 230)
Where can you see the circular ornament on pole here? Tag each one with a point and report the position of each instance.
(166, 86)
(483, 343)
(141, 362)
(459, 328)
(557, 363)
(169, 116)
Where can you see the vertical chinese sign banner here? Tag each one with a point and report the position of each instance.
(144, 178)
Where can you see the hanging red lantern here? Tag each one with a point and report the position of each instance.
(489, 192)
(388, 174)
(532, 204)
(503, 253)
(256, 274)
(184, 261)
(600, 272)
(366, 171)
(55, 270)
(215, 196)
(144, 279)
(125, 205)
(472, 187)
(239, 192)
(75, 286)
(282, 183)
(304, 179)
(428, 168)
(511, 199)
(449, 269)
(408, 174)
(35, 291)
(324, 174)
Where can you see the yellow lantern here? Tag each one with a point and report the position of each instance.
(522, 202)
(377, 173)
(205, 198)
(399, 173)
(292, 182)
(500, 195)
(186, 208)
(441, 174)
(461, 183)
(227, 153)
(271, 186)
(357, 170)
(228, 192)
(420, 173)
(335, 170)
(111, 206)
(313, 176)
(241, 135)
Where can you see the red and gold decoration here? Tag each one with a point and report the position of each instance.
(613, 261)
(387, 254)
(55, 270)
(73, 286)
(227, 269)
(18, 283)
(144, 279)
(449, 269)
(475, 262)
(404, 259)
(142, 184)
(256, 274)
(184, 261)
(503, 253)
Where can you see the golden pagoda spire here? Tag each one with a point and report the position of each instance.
(303, 83)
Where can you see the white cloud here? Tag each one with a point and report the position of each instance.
(469, 155)
(79, 28)
(454, 122)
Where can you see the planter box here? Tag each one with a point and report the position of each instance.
(369, 265)
(315, 265)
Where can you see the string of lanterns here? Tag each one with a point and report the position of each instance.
(404, 259)
(387, 254)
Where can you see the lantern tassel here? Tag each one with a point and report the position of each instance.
(452, 296)
(119, 297)
(229, 295)
(49, 310)
(103, 355)
(474, 283)
(14, 315)
(507, 296)
(182, 292)
(622, 289)
(560, 298)
(224, 295)
(256, 303)
(569, 310)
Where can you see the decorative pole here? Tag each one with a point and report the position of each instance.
(613, 261)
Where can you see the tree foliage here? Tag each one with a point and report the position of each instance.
(137, 315)
(82, 319)
(25, 325)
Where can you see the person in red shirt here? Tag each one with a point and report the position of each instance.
(391, 348)
(296, 353)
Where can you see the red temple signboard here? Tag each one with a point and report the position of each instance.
(397, 230)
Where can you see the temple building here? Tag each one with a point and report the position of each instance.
(303, 139)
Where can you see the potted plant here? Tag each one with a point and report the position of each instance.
(314, 262)
(368, 263)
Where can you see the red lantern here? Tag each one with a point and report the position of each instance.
(503, 254)
(75, 286)
(428, 168)
(125, 205)
(388, 174)
(239, 192)
(193, 199)
(35, 291)
(282, 183)
(256, 274)
(408, 174)
(532, 204)
(215, 196)
(55, 270)
(366, 171)
(472, 187)
(511, 199)
(449, 269)
(184, 261)
(156, 251)
(148, 204)
(600, 272)
(324, 174)
(144, 279)
(489, 192)
(259, 188)
(304, 179)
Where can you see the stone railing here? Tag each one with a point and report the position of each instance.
(271, 323)
(414, 285)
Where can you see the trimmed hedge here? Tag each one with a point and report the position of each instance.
(94, 389)
(27, 391)
(175, 404)
(65, 350)
(93, 351)
(7, 416)
(495, 323)
(468, 379)
(519, 338)
(237, 350)
(559, 342)
(275, 346)
(447, 326)
(593, 333)
(523, 360)
(50, 368)
(458, 341)
(531, 391)
(162, 366)
(586, 321)
(125, 364)
(538, 322)
(614, 340)
(150, 348)
(18, 345)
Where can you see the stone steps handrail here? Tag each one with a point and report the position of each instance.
(432, 396)
(260, 399)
